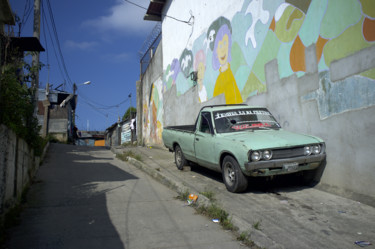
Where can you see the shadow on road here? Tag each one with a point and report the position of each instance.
(260, 185)
(67, 206)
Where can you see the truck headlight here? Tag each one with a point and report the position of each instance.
(267, 155)
(316, 149)
(255, 156)
(307, 150)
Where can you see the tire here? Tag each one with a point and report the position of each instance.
(179, 158)
(312, 177)
(235, 181)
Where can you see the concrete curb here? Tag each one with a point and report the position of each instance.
(260, 239)
(166, 181)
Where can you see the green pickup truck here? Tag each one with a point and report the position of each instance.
(241, 142)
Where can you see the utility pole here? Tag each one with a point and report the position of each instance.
(75, 104)
(130, 98)
(35, 59)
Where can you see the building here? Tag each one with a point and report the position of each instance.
(55, 113)
(311, 63)
(119, 133)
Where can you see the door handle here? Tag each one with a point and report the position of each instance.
(197, 139)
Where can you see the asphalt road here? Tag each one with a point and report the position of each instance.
(282, 213)
(83, 197)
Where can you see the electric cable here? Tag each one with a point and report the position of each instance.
(26, 14)
(174, 18)
(52, 19)
(62, 66)
(46, 46)
(45, 21)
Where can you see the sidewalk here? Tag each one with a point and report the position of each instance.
(159, 163)
(274, 217)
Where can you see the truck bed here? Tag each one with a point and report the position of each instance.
(185, 128)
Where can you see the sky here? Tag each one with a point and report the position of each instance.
(100, 42)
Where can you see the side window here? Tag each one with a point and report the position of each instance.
(206, 125)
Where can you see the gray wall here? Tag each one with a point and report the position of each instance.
(336, 103)
(184, 109)
(153, 73)
(17, 167)
(295, 102)
(348, 135)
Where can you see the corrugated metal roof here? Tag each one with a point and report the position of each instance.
(26, 44)
(154, 10)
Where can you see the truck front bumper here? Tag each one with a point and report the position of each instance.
(284, 166)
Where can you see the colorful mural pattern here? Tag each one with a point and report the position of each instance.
(153, 114)
(230, 56)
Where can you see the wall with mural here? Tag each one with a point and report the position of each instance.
(312, 62)
(230, 54)
(153, 113)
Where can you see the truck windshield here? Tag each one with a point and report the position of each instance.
(244, 119)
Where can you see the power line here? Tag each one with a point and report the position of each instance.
(101, 106)
(61, 62)
(174, 18)
(47, 29)
(52, 19)
(26, 14)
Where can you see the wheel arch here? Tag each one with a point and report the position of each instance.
(174, 145)
(223, 155)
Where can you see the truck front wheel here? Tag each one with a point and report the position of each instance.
(234, 179)
(179, 158)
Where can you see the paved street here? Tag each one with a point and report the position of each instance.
(278, 214)
(85, 198)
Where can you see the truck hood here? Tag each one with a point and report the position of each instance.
(264, 139)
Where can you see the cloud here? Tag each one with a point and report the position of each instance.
(123, 18)
(120, 57)
(80, 45)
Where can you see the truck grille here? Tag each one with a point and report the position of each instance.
(287, 153)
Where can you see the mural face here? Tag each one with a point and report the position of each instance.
(230, 55)
(153, 114)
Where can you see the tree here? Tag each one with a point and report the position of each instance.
(17, 102)
(131, 110)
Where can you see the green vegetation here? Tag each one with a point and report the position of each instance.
(215, 212)
(128, 144)
(17, 103)
(257, 224)
(131, 112)
(184, 196)
(245, 238)
(209, 194)
(124, 156)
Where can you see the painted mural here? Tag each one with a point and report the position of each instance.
(230, 55)
(153, 114)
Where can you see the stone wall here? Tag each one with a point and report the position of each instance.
(18, 165)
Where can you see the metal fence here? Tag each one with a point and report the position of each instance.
(149, 46)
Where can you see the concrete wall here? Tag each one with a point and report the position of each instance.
(17, 167)
(152, 111)
(312, 63)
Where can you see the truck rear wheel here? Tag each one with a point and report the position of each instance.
(179, 158)
(234, 179)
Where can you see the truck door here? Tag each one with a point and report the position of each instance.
(204, 143)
